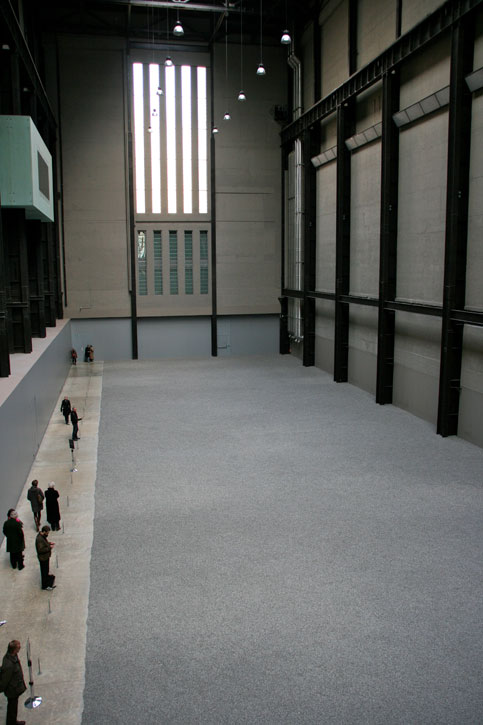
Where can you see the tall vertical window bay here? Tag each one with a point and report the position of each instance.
(170, 130)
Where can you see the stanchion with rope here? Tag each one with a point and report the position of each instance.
(72, 449)
(33, 701)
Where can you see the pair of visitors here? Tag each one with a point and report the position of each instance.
(36, 497)
(67, 410)
(89, 353)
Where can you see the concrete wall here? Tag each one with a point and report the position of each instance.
(248, 183)
(25, 414)
(92, 115)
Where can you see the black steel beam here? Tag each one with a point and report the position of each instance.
(345, 128)
(214, 298)
(359, 300)
(4, 354)
(388, 238)
(426, 32)
(457, 192)
(132, 231)
(28, 64)
(416, 307)
(469, 316)
(310, 147)
(352, 36)
(18, 310)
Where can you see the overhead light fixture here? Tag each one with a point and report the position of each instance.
(160, 91)
(227, 115)
(178, 28)
(5, 46)
(154, 112)
(149, 129)
(214, 129)
(285, 39)
(241, 95)
(261, 68)
(168, 62)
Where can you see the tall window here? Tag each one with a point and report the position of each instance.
(173, 262)
(204, 262)
(188, 262)
(158, 263)
(142, 264)
(176, 125)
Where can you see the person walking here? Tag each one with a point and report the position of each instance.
(73, 355)
(87, 353)
(13, 532)
(91, 353)
(65, 409)
(44, 552)
(36, 497)
(12, 683)
(52, 506)
(75, 424)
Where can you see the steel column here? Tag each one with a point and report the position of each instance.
(310, 147)
(345, 128)
(214, 301)
(18, 311)
(132, 231)
(4, 354)
(388, 238)
(457, 190)
(36, 278)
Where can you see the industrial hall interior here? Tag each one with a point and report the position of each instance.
(241, 362)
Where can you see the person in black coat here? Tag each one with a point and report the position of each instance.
(12, 683)
(75, 424)
(13, 532)
(65, 409)
(52, 505)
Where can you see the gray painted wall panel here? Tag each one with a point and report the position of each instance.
(174, 338)
(111, 338)
(422, 210)
(365, 219)
(25, 414)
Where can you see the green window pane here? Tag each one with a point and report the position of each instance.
(158, 263)
(173, 262)
(204, 262)
(142, 264)
(188, 262)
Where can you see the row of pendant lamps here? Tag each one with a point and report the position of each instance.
(178, 31)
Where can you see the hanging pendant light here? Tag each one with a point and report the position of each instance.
(241, 95)
(285, 39)
(178, 28)
(227, 115)
(168, 62)
(261, 68)
(214, 129)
